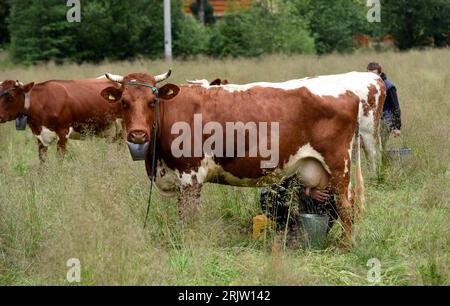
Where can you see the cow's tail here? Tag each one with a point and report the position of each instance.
(359, 181)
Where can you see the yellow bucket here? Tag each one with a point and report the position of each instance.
(260, 223)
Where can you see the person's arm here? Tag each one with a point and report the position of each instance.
(397, 122)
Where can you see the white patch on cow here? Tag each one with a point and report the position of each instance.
(187, 178)
(328, 85)
(306, 151)
(71, 131)
(349, 191)
(209, 170)
(367, 127)
(346, 167)
(27, 101)
(167, 181)
(47, 136)
(367, 132)
(350, 149)
(350, 156)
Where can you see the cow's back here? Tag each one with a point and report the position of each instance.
(76, 103)
(305, 120)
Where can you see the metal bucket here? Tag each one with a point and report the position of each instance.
(400, 153)
(138, 151)
(313, 230)
(21, 122)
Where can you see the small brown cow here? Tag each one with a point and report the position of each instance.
(58, 109)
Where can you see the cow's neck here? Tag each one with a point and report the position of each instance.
(27, 103)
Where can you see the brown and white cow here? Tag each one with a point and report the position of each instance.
(58, 109)
(314, 118)
(368, 118)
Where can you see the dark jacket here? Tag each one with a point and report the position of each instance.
(391, 109)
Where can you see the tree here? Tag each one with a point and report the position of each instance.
(40, 32)
(4, 13)
(333, 23)
(418, 23)
(251, 32)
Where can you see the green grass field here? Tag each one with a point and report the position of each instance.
(92, 205)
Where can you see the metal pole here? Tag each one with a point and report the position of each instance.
(167, 31)
(201, 11)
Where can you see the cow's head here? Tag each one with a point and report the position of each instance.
(12, 99)
(138, 93)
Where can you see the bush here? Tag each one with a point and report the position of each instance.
(40, 32)
(116, 30)
(295, 37)
(191, 39)
(250, 33)
(120, 30)
(419, 23)
(334, 23)
(4, 12)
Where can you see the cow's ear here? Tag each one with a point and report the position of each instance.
(112, 94)
(27, 87)
(168, 91)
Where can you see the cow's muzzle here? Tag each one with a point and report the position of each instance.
(138, 137)
(138, 151)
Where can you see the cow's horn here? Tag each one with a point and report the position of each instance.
(163, 77)
(18, 83)
(194, 81)
(114, 78)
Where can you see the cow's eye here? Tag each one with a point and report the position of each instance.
(9, 98)
(125, 105)
(150, 104)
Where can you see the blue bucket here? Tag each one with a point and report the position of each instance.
(138, 151)
(400, 153)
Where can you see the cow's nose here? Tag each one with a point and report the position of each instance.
(138, 137)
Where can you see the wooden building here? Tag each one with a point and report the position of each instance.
(221, 6)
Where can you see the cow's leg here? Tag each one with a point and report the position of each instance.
(369, 145)
(42, 151)
(63, 135)
(345, 211)
(189, 201)
(344, 205)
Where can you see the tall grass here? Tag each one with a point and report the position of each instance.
(92, 205)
